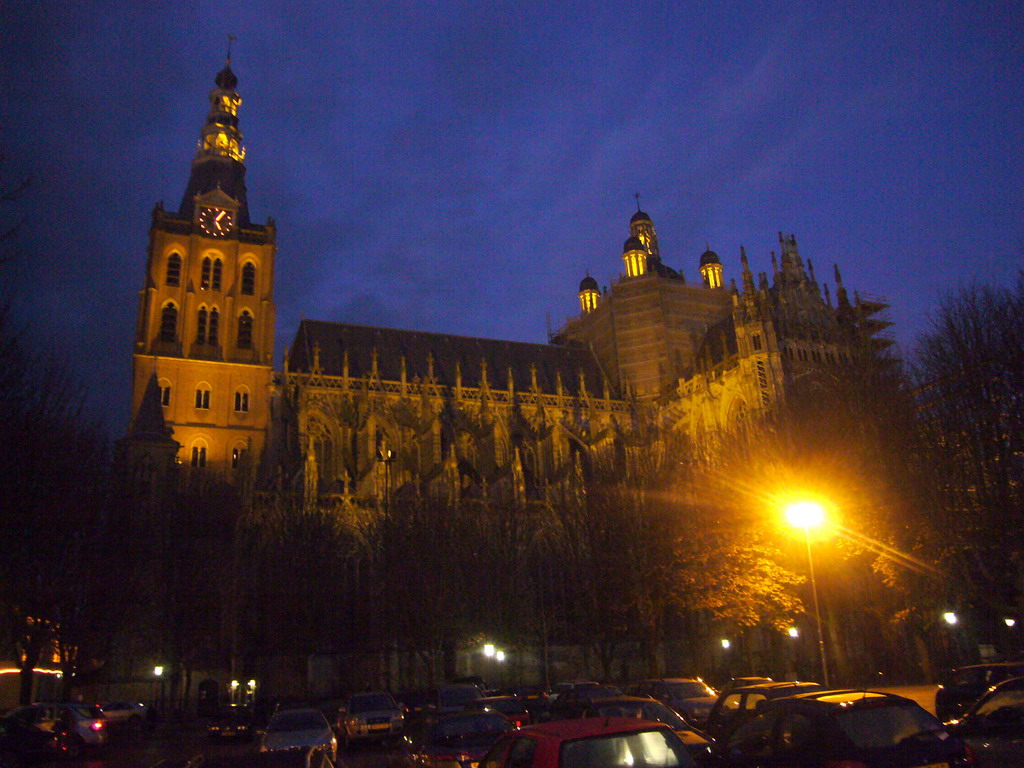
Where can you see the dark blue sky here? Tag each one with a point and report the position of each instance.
(459, 166)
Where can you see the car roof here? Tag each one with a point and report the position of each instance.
(993, 665)
(844, 698)
(772, 687)
(592, 726)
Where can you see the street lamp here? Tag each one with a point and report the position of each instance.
(807, 515)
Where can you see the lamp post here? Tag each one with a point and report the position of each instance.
(807, 515)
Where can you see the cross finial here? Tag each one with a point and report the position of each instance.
(231, 39)
(637, 196)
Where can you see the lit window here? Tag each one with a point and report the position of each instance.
(169, 323)
(241, 401)
(202, 398)
(236, 457)
(249, 279)
(173, 270)
(245, 330)
(198, 456)
(214, 327)
(218, 268)
(204, 280)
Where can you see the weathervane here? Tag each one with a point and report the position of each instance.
(637, 196)
(231, 38)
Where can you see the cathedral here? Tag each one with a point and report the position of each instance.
(357, 415)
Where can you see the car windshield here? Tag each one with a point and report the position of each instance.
(371, 702)
(297, 721)
(879, 727)
(652, 749)
(1010, 699)
(688, 690)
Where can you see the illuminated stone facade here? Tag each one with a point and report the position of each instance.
(205, 328)
(359, 414)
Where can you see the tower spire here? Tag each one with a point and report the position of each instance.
(219, 158)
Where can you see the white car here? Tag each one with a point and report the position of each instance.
(299, 729)
(369, 715)
(76, 725)
(124, 711)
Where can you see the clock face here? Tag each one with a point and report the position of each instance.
(216, 221)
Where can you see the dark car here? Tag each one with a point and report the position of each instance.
(568, 701)
(860, 729)
(964, 686)
(454, 741)
(689, 696)
(597, 742)
(509, 706)
(737, 703)
(24, 744)
(646, 708)
(233, 722)
(994, 725)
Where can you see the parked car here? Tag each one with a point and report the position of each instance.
(608, 742)
(646, 708)
(453, 697)
(299, 730)
(994, 725)
(123, 712)
(24, 744)
(509, 706)
(77, 726)
(536, 699)
(689, 696)
(860, 729)
(454, 741)
(233, 722)
(740, 702)
(963, 686)
(569, 700)
(368, 716)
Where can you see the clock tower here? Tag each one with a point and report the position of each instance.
(205, 325)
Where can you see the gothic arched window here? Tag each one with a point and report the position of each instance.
(213, 330)
(201, 326)
(245, 330)
(169, 322)
(218, 268)
(173, 270)
(249, 279)
(204, 279)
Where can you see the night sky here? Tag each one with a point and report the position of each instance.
(459, 166)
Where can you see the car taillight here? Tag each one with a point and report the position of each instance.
(97, 725)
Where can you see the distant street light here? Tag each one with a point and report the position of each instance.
(794, 632)
(725, 643)
(807, 515)
(950, 618)
(1010, 621)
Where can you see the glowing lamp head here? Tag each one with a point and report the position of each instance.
(794, 632)
(489, 650)
(725, 643)
(950, 618)
(805, 514)
(1010, 622)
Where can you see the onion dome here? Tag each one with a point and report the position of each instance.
(588, 284)
(639, 216)
(226, 79)
(634, 243)
(709, 257)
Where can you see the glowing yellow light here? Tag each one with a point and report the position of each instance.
(805, 514)
(725, 643)
(499, 655)
(950, 618)
(158, 671)
(234, 684)
(794, 632)
(1010, 622)
(489, 650)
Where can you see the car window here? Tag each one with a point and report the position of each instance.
(521, 753)
(1012, 699)
(753, 738)
(753, 699)
(972, 676)
(881, 727)
(795, 731)
(732, 701)
(297, 721)
(689, 690)
(653, 749)
(369, 703)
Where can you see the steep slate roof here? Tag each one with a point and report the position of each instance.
(447, 350)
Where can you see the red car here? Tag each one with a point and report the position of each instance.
(610, 742)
